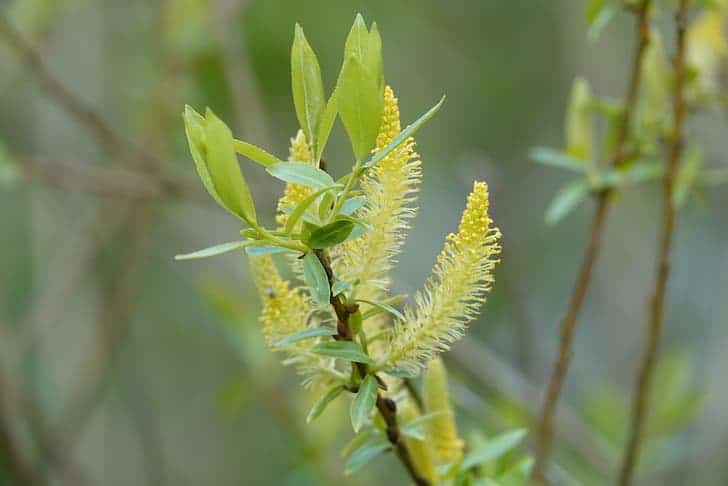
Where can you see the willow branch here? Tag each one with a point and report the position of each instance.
(667, 231)
(386, 407)
(544, 440)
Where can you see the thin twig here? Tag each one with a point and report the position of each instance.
(387, 407)
(667, 232)
(544, 440)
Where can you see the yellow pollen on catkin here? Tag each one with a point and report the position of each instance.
(452, 297)
(391, 125)
(293, 194)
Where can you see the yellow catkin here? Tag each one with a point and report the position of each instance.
(293, 194)
(463, 274)
(441, 429)
(390, 189)
(285, 310)
(420, 450)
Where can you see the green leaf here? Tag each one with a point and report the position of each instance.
(357, 42)
(301, 173)
(326, 123)
(599, 13)
(360, 105)
(566, 200)
(351, 205)
(311, 332)
(687, 176)
(493, 449)
(359, 441)
(579, 121)
(308, 87)
(402, 372)
(364, 454)
(346, 350)
(260, 250)
(224, 169)
(302, 206)
(321, 404)
(414, 428)
(363, 404)
(373, 58)
(713, 177)
(213, 250)
(330, 235)
(316, 279)
(381, 307)
(340, 286)
(256, 154)
(325, 206)
(404, 134)
(556, 158)
(195, 131)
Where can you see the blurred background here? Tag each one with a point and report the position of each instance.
(121, 366)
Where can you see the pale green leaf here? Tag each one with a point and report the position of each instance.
(364, 402)
(404, 134)
(316, 279)
(301, 208)
(256, 154)
(566, 200)
(379, 307)
(346, 350)
(556, 158)
(213, 250)
(224, 169)
(364, 454)
(309, 333)
(494, 448)
(195, 131)
(360, 105)
(326, 123)
(351, 205)
(301, 173)
(308, 87)
(321, 404)
(260, 250)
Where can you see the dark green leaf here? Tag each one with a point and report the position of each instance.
(566, 200)
(556, 158)
(302, 206)
(360, 105)
(364, 454)
(213, 250)
(308, 87)
(256, 154)
(346, 350)
(311, 332)
(330, 235)
(224, 169)
(316, 279)
(363, 403)
(321, 404)
(404, 134)
(301, 173)
(493, 449)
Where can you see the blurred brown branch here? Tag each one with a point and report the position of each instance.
(545, 433)
(667, 232)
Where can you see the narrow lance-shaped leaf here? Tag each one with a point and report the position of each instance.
(566, 200)
(326, 123)
(363, 404)
(364, 454)
(256, 154)
(360, 105)
(195, 131)
(316, 279)
(304, 174)
(308, 87)
(214, 250)
(309, 333)
(302, 206)
(346, 350)
(321, 404)
(225, 170)
(556, 158)
(404, 134)
(494, 448)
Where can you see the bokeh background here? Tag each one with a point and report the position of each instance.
(120, 366)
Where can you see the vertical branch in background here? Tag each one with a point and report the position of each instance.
(544, 439)
(667, 231)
